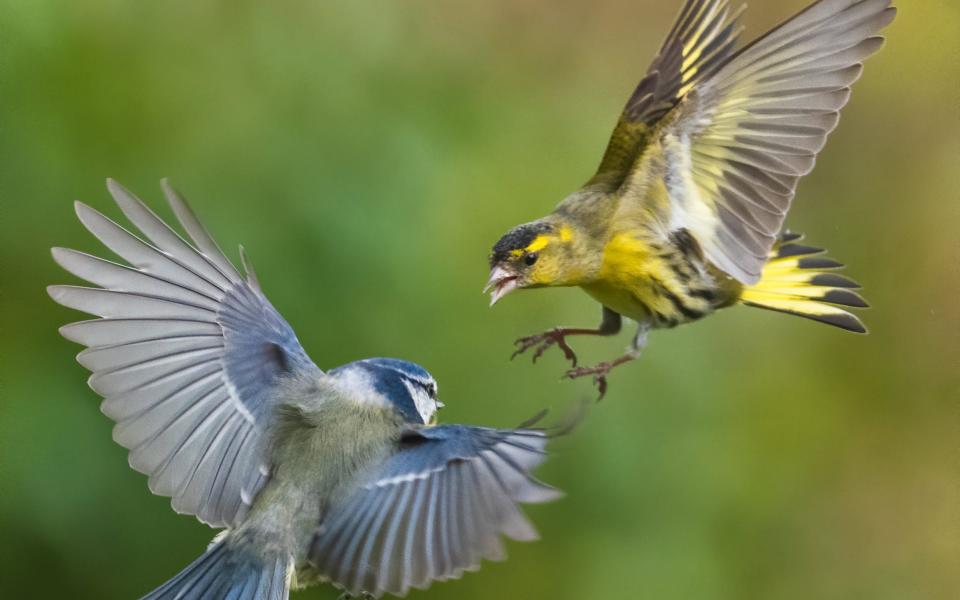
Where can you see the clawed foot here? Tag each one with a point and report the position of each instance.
(599, 373)
(542, 342)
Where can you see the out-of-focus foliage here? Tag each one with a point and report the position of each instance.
(367, 154)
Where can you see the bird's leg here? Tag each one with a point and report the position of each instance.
(610, 325)
(600, 372)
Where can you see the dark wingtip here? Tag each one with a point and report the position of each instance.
(571, 421)
(563, 427)
(818, 262)
(845, 297)
(529, 423)
(790, 249)
(844, 321)
(835, 281)
(788, 237)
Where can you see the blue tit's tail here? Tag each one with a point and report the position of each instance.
(228, 571)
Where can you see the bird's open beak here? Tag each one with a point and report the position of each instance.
(501, 283)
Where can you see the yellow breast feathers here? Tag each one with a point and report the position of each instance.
(640, 280)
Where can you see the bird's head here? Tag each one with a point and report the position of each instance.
(532, 255)
(406, 387)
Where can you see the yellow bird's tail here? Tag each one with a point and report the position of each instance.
(799, 280)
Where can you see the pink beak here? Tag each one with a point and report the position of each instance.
(501, 283)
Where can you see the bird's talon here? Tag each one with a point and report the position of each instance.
(568, 352)
(601, 382)
(599, 374)
(539, 352)
(542, 342)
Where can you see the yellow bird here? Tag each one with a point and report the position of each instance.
(685, 214)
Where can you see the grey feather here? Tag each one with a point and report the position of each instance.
(443, 478)
(118, 332)
(111, 275)
(167, 240)
(142, 255)
(197, 232)
(187, 356)
(226, 571)
(757, 123)
(123, 355)
(112, 304)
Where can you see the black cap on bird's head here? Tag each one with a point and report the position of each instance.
(516, 241)
(406, 386)
(515, 257)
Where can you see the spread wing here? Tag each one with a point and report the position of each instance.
(433, 510)
(702, 37)
(739, 142)
(186, 354)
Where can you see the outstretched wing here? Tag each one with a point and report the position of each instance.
(702, 37)
(434, 510)
(186, 354)
(741, 140)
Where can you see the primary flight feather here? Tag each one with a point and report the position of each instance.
(685, 213)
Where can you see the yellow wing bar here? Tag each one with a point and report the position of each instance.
(702, 37)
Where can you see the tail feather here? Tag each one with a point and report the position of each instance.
(799, 280)
(226, 573)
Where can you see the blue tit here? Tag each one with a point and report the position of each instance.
(338, 476)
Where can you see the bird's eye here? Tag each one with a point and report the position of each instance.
(530, 259)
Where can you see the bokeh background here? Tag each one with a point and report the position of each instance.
(368, 154)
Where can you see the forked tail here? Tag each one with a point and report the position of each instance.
(799, 280)
(226, 571)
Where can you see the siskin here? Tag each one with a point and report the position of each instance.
(685, 213)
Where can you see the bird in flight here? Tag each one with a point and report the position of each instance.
(339, 476)
(685, 214)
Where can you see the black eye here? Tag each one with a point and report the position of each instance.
(530, 259)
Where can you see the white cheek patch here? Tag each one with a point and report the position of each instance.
(426, 406)
(359, 388)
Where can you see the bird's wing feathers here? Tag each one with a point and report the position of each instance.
(738, 144)
(186, 353)
(433, 510)
(702, 37)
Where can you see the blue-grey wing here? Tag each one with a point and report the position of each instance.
(435, 509)
(186, 353)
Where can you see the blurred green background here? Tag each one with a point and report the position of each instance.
(368, 154)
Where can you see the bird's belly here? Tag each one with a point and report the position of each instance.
(621, 300)
(313, 468)
(651, 284)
